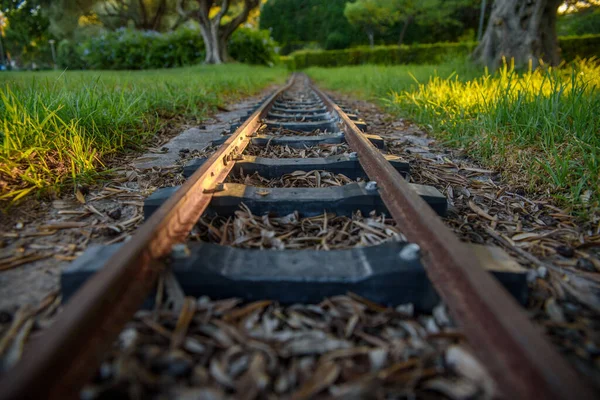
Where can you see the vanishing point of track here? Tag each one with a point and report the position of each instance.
(517, 355)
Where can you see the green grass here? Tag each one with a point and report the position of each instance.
(58, 127)
(541, 128)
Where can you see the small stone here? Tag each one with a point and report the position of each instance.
(406, 309)
(548, 220)
(585, 265)
(175, 364)
(201, 126)
(19, 226)
(184, 151)
(110, 231)
(592, 349)
(554, 311)
(105, 371)
(371, 186)
(5, 317)
(410, 252)
(115, 214)
(531, 276)
(565, 251)
(180, 251)
(542, 272)
(164, 149)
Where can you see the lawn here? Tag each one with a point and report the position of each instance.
(59, 127)
(540, 128)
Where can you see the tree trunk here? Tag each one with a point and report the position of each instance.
(521, 30)
(371, 36)
(404, 29)
(211, 45)
(214, 33)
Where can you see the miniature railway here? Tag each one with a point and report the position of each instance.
(298, 118)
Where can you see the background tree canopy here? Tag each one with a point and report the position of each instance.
(294, 24)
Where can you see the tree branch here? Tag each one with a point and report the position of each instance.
(232, 25)
(180, 7)
(222, 11)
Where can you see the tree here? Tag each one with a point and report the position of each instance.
(25, 35)
(524, 31)
(428, 13)
(215, 31)
(294, 23)
(143, 14)
(374, 16)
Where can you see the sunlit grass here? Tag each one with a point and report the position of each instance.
(540, 128)
(57, 128)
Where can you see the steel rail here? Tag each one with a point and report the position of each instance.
(64, 358)
(523, 363)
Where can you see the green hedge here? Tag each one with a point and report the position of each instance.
(133, 49)
(572, 47)
(585, 46)
(252, 46)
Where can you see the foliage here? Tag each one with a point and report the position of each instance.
(387, 55)
(541, 127)
(156, 15)
(372, 16)
(218, 21)
(26, 37)
(68, 55)
(336, 41)
(572, 47)
(296, 22)
(58, 127)
(583, 22)
(131, 49)
(252, 46)
(585, 46)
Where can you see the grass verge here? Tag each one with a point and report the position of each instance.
(58, 127)
(540, 128)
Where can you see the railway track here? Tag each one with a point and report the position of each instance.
(329, 190)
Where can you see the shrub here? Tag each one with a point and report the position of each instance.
(252, 47)
(288, 62)
(68, 55)
(131, 49)
(387, 55)
(336, 41)
(586, 46)
(572, 47)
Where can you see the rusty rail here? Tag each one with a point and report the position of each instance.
(523, 363)
(62, 360)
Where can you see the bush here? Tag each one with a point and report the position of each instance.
(68, 55)
(586, 46)
(572, 47)
(387, 55)
(336, 41)
(252, 47)
(131, 49)
(288, 62)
